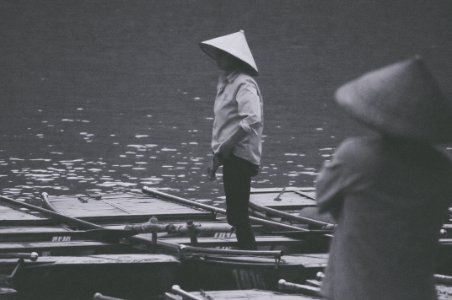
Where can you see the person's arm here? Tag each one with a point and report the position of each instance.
(329, 188)
(249, 108)
(340, 174)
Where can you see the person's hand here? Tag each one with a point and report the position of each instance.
(225, 150)
(213, 167)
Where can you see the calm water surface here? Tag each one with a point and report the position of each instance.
(113, 95)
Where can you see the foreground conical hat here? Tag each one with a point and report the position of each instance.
(235, 44)
(401, 100)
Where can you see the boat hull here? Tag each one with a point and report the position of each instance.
(130, 276)
(227, 273)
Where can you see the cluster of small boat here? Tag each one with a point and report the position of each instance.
(153, 245)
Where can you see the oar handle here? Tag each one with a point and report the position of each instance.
(284, 285)
(33, 256)
(185, 295)
(99, 296)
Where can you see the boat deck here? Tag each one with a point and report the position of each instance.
(122, 207)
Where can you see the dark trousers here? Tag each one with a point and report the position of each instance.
(237, 175)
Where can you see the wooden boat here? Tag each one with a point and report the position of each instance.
(279, 254)
(16, 216)
(78, 259)
(130, 275)
(121, 208)
(204, 246)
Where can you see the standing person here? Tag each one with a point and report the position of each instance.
(237, 128)
(389, 193)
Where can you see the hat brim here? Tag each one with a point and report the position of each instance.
(401, 100)
(214, 53)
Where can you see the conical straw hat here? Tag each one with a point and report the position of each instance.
(401, 100)
(235, 44)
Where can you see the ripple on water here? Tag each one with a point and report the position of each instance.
(41, 159)
(151, 180)
(16, 159)
(116, 184)
(309, 173)
(139, 169)
(71, 162)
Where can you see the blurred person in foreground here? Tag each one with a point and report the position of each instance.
(389, 193)
(237, 128)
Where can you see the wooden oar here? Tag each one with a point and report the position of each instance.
(97, 231)
(185, 295)
(33, 256)
(305, 234)
(288, 216)
(277, 254)
(301, 288)
(219, 210)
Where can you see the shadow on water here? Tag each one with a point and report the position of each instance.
(112, 95)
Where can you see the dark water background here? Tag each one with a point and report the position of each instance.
(109, 95)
